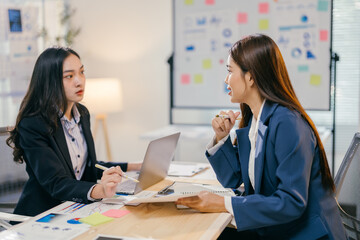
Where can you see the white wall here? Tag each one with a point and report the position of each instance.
(129, 40)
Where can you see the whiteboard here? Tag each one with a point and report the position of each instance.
(21, 22)
(204, 31)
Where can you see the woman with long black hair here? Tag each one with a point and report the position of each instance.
(52, 136)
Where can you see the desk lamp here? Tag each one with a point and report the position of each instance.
(103, 96)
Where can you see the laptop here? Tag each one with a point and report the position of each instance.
(155, 166)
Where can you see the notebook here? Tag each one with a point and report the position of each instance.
(155, 166)
(178, 190)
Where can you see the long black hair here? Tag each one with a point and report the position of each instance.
(260, 56)
(45, 95)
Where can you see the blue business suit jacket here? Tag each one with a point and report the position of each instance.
(48, 164)
(289, 201)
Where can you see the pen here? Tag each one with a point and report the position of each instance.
(226, 116)
(124, 175)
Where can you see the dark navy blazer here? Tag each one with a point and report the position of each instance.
(48, 164)
(289, 201)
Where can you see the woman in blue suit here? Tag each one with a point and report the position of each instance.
(52, 136)
(277, 154)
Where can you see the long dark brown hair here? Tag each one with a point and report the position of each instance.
(45, 95)
(260, 56)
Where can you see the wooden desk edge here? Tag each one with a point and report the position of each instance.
(214, 231)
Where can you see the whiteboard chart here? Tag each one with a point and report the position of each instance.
(21, 23)
(204, 31)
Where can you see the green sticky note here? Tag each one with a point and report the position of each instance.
(95, 219)
(303, 68)
(323, 5)
(315, 80)
(206, 63)
(198, 78)
(188, 2)
(264, 24)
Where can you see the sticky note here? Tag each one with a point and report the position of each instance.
(188, 2)
(315, 80)
(323, 35)
(264, 7)
(242, 17)
(190, 48)
(185, 79)
(206, 63)
(95, 219)
(116, 213)
(198, 78)
(303, 68)
(264, 24)
(209, 2)
(323, 5)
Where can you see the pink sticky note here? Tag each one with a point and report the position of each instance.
(185, 79)
(116, 213)
(209, 2)
(242, 17)
(323, 35)
(264, 7)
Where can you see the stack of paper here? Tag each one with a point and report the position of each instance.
(185, 170)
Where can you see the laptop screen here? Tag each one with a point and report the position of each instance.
(157, 161)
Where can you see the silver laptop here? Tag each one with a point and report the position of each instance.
(155, 166)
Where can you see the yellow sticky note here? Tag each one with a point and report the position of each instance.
(95, 219)
(206, 63)
(198, 78)
(315, 80)
(264, 24)
(188, 2)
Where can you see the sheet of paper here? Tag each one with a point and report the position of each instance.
(182, 189)
(118, 199)
(40, 231)
(157, 198)
(79, 210)
(185, 170)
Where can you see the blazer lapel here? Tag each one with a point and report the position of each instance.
(260, 155)
(244, 152)
(89, 139)
(61, 142)
(268, 109)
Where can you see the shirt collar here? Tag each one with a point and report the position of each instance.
(75, 113)
(255, 122)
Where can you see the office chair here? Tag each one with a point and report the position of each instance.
(347, 181)
(11, 175)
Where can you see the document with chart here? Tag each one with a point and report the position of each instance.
(178, 190)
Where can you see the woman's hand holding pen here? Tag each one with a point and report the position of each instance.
(223, 123)
(107, 186)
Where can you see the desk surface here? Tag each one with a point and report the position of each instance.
(161, 220)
